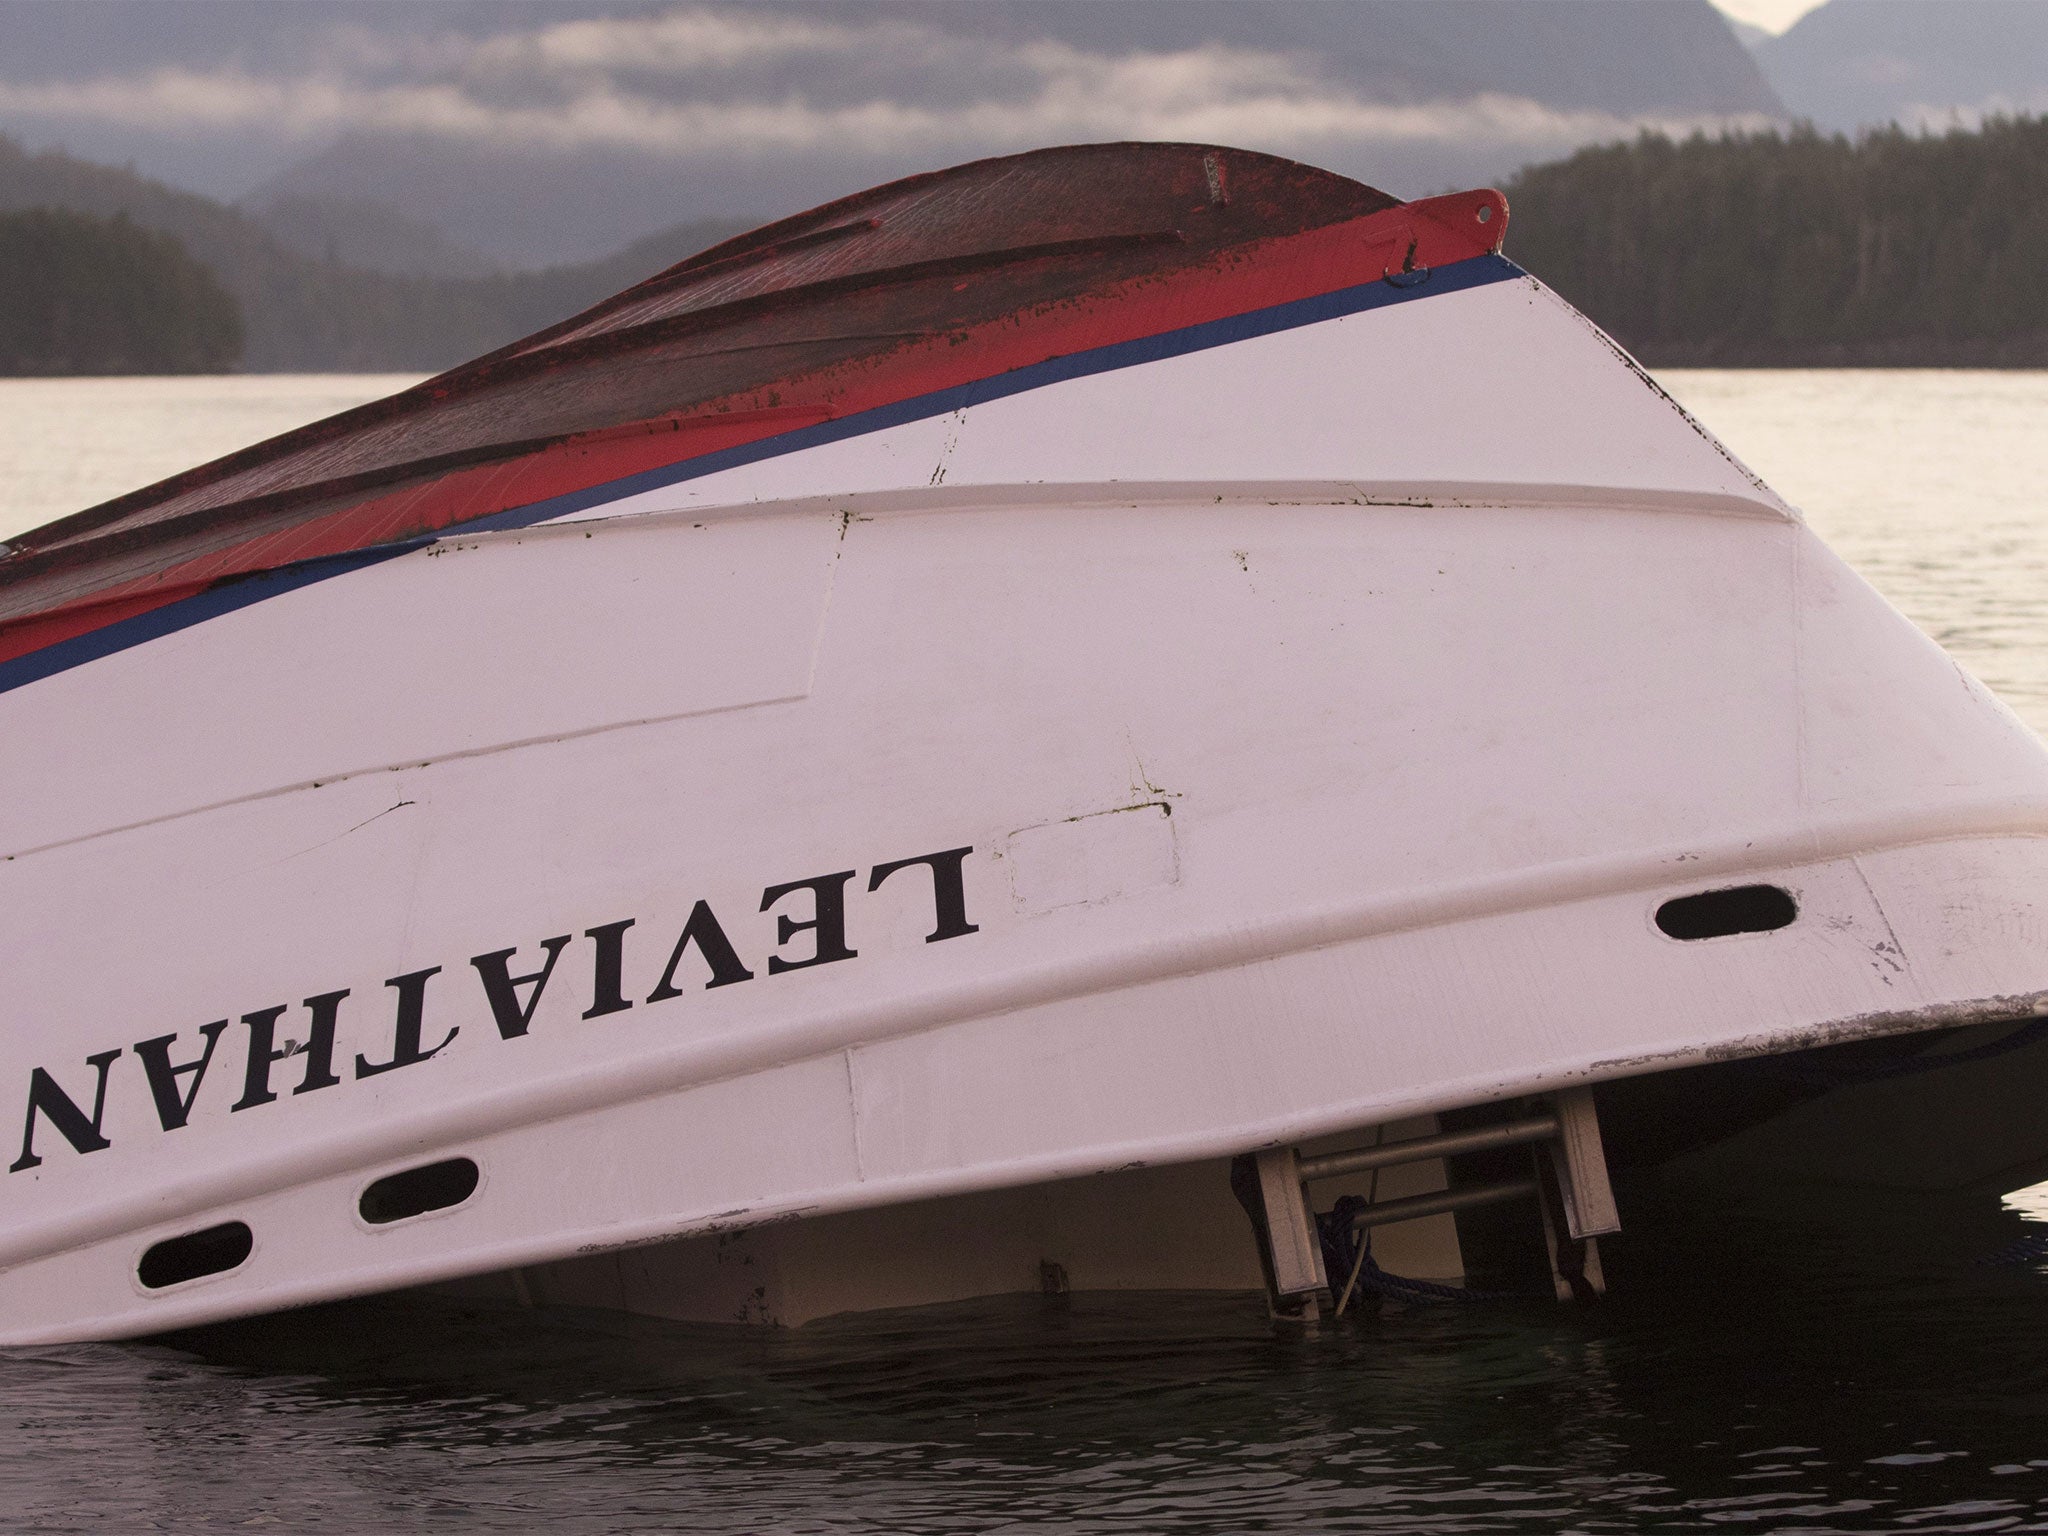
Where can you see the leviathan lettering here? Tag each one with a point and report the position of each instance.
(810, 930)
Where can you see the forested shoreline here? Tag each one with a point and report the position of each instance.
(1775, 249)
(301, 314)
(1802, 249)
(84, 295)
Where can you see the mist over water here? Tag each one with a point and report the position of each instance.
(1865, 1366)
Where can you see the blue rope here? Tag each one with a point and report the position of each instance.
(1345, 1246)
(1404, 1288)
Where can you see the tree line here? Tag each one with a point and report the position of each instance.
(1763, 249)
(84, 295)
(303, 314)
(1801, 248)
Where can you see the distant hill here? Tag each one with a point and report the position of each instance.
(1859, 63)
(1758, 249)
(1802, 249)
(82, 295)
(814, 99)
(527, 133)
(366, 235)
(302, 313)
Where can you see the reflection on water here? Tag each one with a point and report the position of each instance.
(1868, 1377)
(1752, 1371)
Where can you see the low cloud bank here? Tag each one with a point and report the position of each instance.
(705, 83)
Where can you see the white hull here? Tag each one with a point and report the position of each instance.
(1325, 718)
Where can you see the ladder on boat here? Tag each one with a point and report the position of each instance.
(1568, 1180)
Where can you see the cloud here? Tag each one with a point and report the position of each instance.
(1924, 117)
(737, 83)
(689, 42)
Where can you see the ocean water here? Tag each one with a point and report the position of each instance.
(1869, 1364)
(1933, 483)
(68, 444)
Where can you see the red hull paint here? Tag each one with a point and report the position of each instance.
(273, 506)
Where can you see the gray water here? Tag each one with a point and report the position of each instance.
(1867, 1365)
(1746, 1372)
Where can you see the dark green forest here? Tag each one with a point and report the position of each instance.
(1802, 249)
(101, 296)
(300, 313)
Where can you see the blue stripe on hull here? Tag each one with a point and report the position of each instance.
(241, 592)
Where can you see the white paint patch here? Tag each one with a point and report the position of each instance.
(1088, 860)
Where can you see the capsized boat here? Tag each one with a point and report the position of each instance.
(944, 745)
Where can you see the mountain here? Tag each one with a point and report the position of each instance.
(813, 99)
(1748, 33)
(358, 232)
(1854, 63)
(527, 133)
(306, 313)
(1758, 249)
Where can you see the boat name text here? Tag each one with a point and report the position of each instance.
(174, 1080)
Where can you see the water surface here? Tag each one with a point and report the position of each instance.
(1747, 1374)
(68, 444)
(1931, 482)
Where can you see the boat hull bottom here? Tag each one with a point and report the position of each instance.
(1882, 1115)
(1954, 1110)
(1174, 1228)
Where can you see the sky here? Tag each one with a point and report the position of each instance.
(726, 78)
(1771, 15)
(734, 85)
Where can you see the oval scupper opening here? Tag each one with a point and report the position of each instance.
(194, 1255)
(1717, 914)
(416, 1191)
